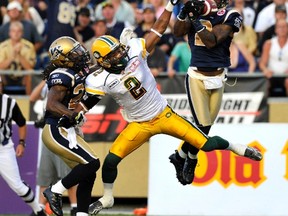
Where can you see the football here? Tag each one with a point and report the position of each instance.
(210, 7)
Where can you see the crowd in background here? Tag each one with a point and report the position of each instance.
(260, 46)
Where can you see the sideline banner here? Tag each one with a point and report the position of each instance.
(225, 184)
(10, 203)
(244, 102)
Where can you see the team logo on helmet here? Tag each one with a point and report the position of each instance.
(55, 52)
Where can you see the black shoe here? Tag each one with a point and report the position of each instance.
(73, 211)
(189, 169)
(178, 164)
(253, 154)
(54, 200)
(95, 208)
(100, 204)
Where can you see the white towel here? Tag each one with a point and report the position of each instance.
(72, 137)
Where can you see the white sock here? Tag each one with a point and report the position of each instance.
(73, 205)
(192, 156)
(42, 206)
(182, 154)
(81, 214)
(58, 188)
(238, 149)
(35, 206)
(107, 200)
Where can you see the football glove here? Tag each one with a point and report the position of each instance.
(77, 119)
(182, 14)
(194, 9)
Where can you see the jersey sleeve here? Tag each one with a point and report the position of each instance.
(17, 116)
(61, 77)
(233, 19)
(139, 47)
(94, 86)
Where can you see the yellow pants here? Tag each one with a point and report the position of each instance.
(167, 122)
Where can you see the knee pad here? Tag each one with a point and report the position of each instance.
(111, 161)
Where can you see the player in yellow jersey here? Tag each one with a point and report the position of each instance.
(125, 75)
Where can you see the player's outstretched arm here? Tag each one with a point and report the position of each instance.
(159, 27)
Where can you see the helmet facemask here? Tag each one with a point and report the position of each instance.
(80, 57)
(117, 60)
(68, 53)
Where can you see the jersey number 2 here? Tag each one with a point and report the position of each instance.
(134, 87)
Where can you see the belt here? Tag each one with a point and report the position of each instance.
(210, 73)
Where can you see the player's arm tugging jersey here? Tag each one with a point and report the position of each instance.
(134, 89)
(74, 83)
(218, 56)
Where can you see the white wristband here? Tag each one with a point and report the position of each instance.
(169, 7)
(156, 32)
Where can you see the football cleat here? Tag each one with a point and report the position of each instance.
(54, 200)
(253, 154)
(40, 213)
(178, 164)
(189, 169)
(97, 206)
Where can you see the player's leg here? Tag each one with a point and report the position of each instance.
(185, 157)
(62, 170)
(84, 164)
(10, 173)
(131, 138)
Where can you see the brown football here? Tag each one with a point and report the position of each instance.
(210, 7)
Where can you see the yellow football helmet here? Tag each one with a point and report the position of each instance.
(110, 53)
(68, 53)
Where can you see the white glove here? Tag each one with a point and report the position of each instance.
(126, 35)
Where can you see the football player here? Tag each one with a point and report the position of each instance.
(209, 38)
(65, 79)
(125, 75)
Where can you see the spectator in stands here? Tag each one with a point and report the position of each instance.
(248, 13)
(280, 13)
(3, 5)
(31, 14)
(85, 4)
(266, 17)
(248, 37)
(241, 58)
(181, 54)
(42, 7)
(30, 33)
(60, 20)
(274, 59)
(114, 26)
(167, 41)
(16, 54)
(100, 28)
(149, 18)
(123, 11)
(157, 61)
(83, 30)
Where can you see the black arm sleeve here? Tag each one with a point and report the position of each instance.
(89, 101)
(17, 116)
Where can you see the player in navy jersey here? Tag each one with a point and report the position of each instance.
(60, 20)
(209, 39)
(65, 79)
